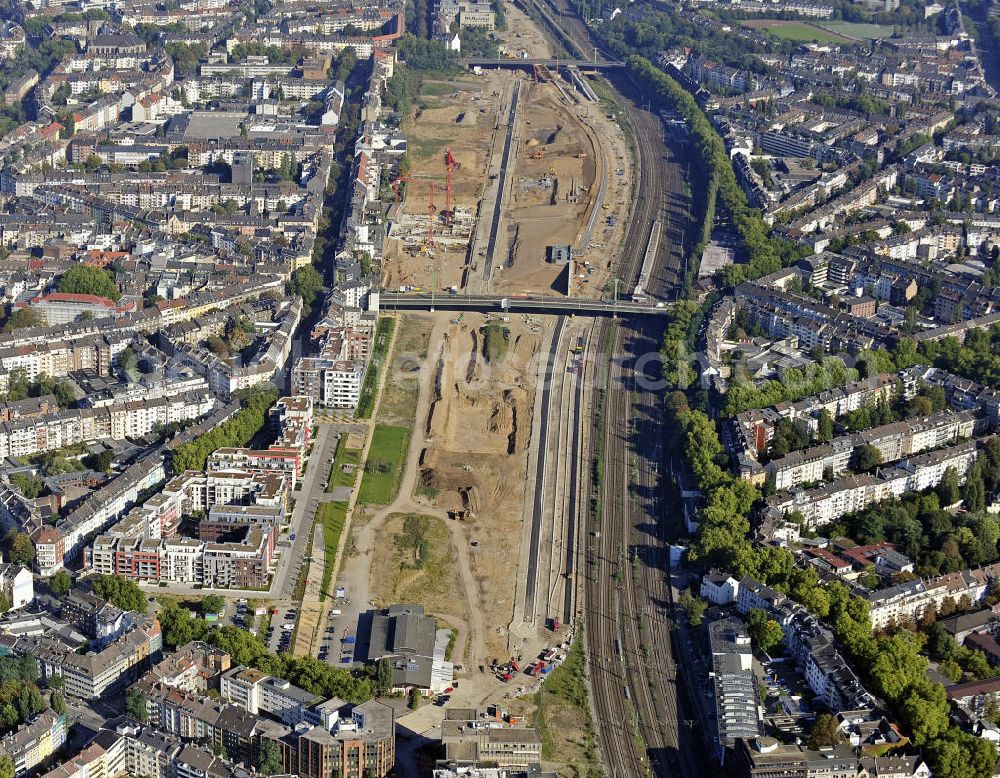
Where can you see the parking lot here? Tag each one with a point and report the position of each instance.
(332, 647)
(279, 634)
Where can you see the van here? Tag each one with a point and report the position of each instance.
(336, 612)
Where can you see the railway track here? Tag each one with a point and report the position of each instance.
(637, 702)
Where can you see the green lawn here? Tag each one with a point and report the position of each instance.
(384, 465)
(796, 31)
(859, 30)
(343, 456)
(333, 516)
(437, 88)
(383, 336)
(426, 148)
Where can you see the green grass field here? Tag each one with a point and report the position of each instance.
(437, 88)
(427, 148)
(858, 30)
(332, 515)
(796, 31)
(384, 465)
(343, 456)
(383, 336)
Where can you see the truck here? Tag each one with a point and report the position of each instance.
(515, 666)
(537, 669)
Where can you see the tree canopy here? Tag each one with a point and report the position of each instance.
(237, 431)
(85, 279)
(121, 592)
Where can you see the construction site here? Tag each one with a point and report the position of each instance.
(519, 181)
(474, 462)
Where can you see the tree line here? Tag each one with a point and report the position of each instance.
(233, 433)
(309, 673)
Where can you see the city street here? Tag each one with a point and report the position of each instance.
(292, 546)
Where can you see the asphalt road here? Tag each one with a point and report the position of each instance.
(531, 585)
(291, 551)
(491, 244)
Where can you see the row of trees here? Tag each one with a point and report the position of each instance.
(18, 547)
(309, 673)
(423, 54)
(307, 283)
(237, 431)
(20, 697)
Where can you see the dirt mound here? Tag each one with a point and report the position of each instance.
(477, 430)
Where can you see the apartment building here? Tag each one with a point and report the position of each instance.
(814, 650)
(17, 585)
(893, 441)
(130, 749)
(330, 383)
(244, 562)
(34, 742)
(94, 617)
(764, 757)
(907, 601)
(735, 686)
(469, 738)
(758, 425)
(360, 746)
(194, 667)
(59, 357)
(828, 502)
(261, 693)
(202, 491)
(89, 676)
(32, 435)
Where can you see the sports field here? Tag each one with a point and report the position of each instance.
(797, 31)
(859, 30)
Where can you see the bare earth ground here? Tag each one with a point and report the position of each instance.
(399, 398)
(477, 432)
(468, 452)
(559, 139)
(522, 36)
(459, 114)
(555, 148)
(567, 729)
(430, 578)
